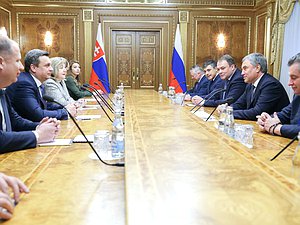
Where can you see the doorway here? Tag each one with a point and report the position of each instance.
(135, 59)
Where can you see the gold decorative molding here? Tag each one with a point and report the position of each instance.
(75, 21)
(87, 15)
(194, 20)
(9, 19)
(256, 30)
(215, 2)
(183, 16)
(186, 2)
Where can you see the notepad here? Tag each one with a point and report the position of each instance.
(81, 139)
(57, 142)
(88, 117)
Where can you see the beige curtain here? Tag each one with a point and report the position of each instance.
(282, 12)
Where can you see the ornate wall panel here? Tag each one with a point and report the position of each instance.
(5, 19)
(260, 33)
(31, 29)
(236, 30)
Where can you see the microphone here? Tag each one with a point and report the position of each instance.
(50, 99)
(84, 88)
(209, 95)
(219, 90)
(106, 94)
(110, 87)
(100, 96)
(228, 101)
(282, 150)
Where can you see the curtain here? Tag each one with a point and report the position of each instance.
(282, 12)
(291, 46)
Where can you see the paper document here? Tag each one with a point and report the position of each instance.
(203, 115)
(88, 117)
(90, 100)
(88, 108)
(57, 142)
(190, 104)
(81, 139)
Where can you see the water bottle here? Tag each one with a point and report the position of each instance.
(118, 100)
(229, 122)
(296, 157)
(160, 89)
(117, 138)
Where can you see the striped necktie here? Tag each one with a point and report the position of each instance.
(5, 115)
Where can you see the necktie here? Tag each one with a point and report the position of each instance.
(252, 91)
(225, 86)
(5, 111)
(42, 89)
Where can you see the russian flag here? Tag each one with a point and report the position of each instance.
(177, 72)
(99, 67)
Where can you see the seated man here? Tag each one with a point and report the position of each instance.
(15, 132)
(234, 84)
(200, 87)
(263, 93)
(215, 82)
(26, 94)
(286, 122)
(6, 203)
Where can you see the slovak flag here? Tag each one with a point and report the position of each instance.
(99, 67)
(177, 72)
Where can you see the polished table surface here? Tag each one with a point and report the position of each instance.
(182, 170)
(179, 170)
(66, 186)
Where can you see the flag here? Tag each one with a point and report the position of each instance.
(99, 67)
(177, 72)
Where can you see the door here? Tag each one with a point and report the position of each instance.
(136, 59)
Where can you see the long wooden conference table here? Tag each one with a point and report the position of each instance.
(179, 170)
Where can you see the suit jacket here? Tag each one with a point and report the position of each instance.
(290, 117)
(200, 87)
(58, 91)
(28, 103)
(74, 88)
(21, 137)
(269, 96)
(214, 85)
(235, 87)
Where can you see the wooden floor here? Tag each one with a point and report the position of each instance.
(179, 170)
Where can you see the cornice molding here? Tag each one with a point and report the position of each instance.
(163, 2)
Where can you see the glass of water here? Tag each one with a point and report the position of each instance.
(101, 142)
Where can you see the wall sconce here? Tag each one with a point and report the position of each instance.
(221, 41)
(48, 39)
(3, 31)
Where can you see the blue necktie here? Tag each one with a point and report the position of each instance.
(5, 111)
(225, 86)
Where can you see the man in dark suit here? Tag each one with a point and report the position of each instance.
(214, 83)
(200, 87)
(263, 92)
(16, 132)
(234, 84)
(286, 122)
(26, 94)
